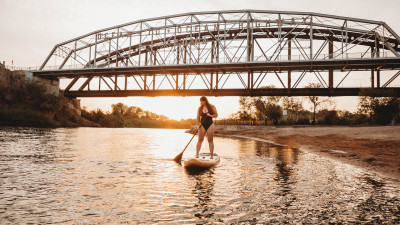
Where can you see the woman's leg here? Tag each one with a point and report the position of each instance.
(210, 137)
(202, 133)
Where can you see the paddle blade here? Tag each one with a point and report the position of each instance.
(178, 158)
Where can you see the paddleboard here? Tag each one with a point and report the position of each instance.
(203, 162)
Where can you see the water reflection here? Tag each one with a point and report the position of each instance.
(286, 158)
(92, 176)
(203, 191)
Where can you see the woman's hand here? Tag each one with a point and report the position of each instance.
(208, 114)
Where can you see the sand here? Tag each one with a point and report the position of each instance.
(375, 149)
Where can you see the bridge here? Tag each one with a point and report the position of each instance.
(230, 53)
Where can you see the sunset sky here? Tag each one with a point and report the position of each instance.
(29, 29)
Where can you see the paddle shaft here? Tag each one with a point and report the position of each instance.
(194, 134)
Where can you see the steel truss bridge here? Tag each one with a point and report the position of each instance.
(230, 53)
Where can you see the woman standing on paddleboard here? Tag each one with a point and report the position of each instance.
(205, 113)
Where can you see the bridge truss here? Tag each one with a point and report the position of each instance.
(230, 53)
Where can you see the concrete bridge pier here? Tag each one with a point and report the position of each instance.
(53, 88)
(52, 85)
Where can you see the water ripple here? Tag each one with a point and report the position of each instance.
(114, 176)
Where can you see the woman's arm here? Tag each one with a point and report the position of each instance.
(215, 115)
(198, 119)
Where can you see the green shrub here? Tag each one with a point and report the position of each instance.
(111, 120)
(24, 117)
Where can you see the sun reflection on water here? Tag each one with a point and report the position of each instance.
(89, 175)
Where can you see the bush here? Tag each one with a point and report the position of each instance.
(94, 115)
(50, 103)
(329, 117)
(24, 117)
(112, 120)
(385, 112)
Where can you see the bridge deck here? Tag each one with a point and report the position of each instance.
(387, 92)
(309, 65)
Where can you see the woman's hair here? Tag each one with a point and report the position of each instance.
(208, 105)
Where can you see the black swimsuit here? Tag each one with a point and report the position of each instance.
(207, 120)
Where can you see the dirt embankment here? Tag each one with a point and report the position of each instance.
(373, 148)
(17, 102)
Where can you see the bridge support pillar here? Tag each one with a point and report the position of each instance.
(250, 80)
(176, 84)
(372, 79)
(211, 81)
(126, 82)
(51, 85)
(184, 81)
(154, 81)
(216, 80)
(331, 57)
(378, 78)
(145, 83)
(331, 79)
(116, 83)
(289, 84)
(372, 71)
(378, 72)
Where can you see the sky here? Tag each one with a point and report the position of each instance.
(29, 29)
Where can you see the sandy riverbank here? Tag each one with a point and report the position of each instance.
(373, 148)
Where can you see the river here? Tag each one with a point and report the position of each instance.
(126, 175)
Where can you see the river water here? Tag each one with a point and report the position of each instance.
(127, 176)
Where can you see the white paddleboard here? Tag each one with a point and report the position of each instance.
(203, 161)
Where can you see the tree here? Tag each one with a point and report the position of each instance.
(50, 103)
(119, 109)
(260, 108)
(164, 118)
(246, 111)
(97, 115)
(381, 110)
(241, 115)
(273, 112)
(266, 106)
(329, 117)
(294, 107)
(317, 101)
(134, 112)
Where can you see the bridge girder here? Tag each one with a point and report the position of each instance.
(388, 92)
(211, 45)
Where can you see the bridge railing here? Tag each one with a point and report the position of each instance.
(16, 68)
(259, 58)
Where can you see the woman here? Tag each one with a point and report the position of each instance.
(205, 113)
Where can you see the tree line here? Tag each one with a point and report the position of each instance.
(280, 110)
(122, 115)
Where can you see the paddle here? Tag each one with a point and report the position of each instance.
(178, 158)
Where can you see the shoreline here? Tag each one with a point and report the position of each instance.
(375, 149)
